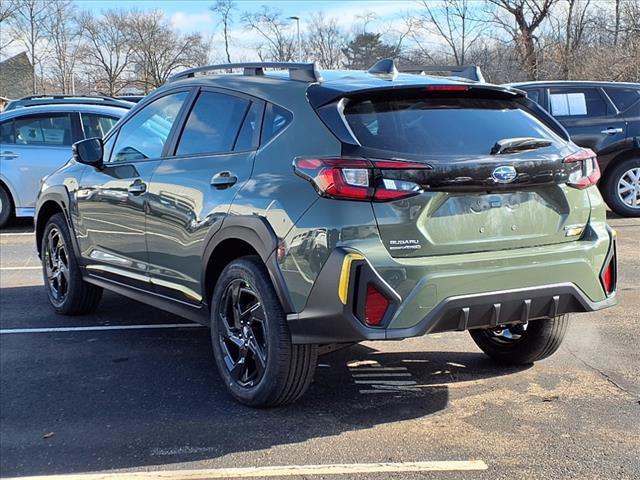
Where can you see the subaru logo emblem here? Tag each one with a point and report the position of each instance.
(504, 174)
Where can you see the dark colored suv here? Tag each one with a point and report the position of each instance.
(296, 210)
(605, 117)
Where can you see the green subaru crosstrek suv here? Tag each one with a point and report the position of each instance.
(296, 210)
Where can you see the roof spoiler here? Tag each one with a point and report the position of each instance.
(470, 72)
(303, 72)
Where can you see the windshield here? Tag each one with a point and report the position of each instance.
(445, 126)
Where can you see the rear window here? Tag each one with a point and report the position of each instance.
(450, 126)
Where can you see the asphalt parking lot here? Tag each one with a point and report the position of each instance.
(139, 393)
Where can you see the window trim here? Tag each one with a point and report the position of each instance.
(126, 119)
(202, 89)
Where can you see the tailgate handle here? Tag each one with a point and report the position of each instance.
(612, 130)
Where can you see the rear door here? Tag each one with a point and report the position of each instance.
(191, 192)
(464, 206)
(589, 116)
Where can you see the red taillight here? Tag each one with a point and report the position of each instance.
(588, 172)
(358, 179)
(376, 305)
(447, 88)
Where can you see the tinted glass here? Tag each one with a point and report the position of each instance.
(95, 125)
(569, 102)
(534, 95)
(276, 118)
(43, 130)
(146, 133)
(213, 124)
(623, 98)
(441, 126)
(6, 132)
(248, 136)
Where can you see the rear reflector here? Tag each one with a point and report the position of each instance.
(607, 279)
(447, 88)
(376, 305)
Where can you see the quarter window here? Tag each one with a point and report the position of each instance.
(50, 130)
(276, 118)
(145, 135)
(577, 102)
(213, 124)
(95, 125)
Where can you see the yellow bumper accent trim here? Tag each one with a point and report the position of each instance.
(345, 273)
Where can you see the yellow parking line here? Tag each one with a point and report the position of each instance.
(283, 471)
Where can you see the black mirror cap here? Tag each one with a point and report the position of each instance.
(89, 152)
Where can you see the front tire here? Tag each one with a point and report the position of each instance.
(67, 291)
(6, 207)
(621, 188)
(251, 340)
(522, 344)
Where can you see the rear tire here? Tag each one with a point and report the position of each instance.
(517, 346)
(67, 291)
(248, 324)
(614, 182)
(6, 207)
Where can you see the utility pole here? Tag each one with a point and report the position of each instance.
(297, 19)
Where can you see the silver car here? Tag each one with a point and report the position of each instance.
(35, 141)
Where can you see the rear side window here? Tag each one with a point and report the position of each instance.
(447, 126)
(213, 124)
(577, 102)
(623, 98)
(95, 125)
(275, 120)
(43, 130)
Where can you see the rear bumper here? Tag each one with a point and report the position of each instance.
(328, 319)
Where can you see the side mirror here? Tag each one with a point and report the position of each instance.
(88, 152)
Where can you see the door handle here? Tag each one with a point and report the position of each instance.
(137, 187)
(612, 130)
(8, 155)
(223, 180)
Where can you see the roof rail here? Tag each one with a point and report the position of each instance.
(44, 96)
(303, 72)
(470, 72)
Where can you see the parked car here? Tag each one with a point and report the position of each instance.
(295, 211)
(131, 98)
(34, 100)
(603, 116)
(36, 140)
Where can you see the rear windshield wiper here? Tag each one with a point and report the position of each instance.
(512, 145)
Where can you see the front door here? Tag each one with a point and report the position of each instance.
(191, 192)
(112, 200)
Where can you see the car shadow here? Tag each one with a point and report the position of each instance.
(150, 397)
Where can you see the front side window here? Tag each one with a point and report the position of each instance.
(623, 98)
(213, 124)
(43, 130)
(441, 126)
(577, 102)
(6, 133)
(96, 125)
(144, 136)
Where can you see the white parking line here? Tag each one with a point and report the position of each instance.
(284, 471)
(10, 269)
(97, 328)
(16, 234)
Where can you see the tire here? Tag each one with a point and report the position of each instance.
(613, 178)
(256, 329)
(67, 291)
(540, 340)
(6, 207)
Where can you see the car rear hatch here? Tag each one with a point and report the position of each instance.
(480, 168)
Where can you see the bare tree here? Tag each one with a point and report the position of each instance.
(7, 14)
(160, 51)
(224, 9)
(28, 27)
(459, 23)
(108, 48)
(524, 17)
(63, 34)
(325, 41)
(278, 42)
